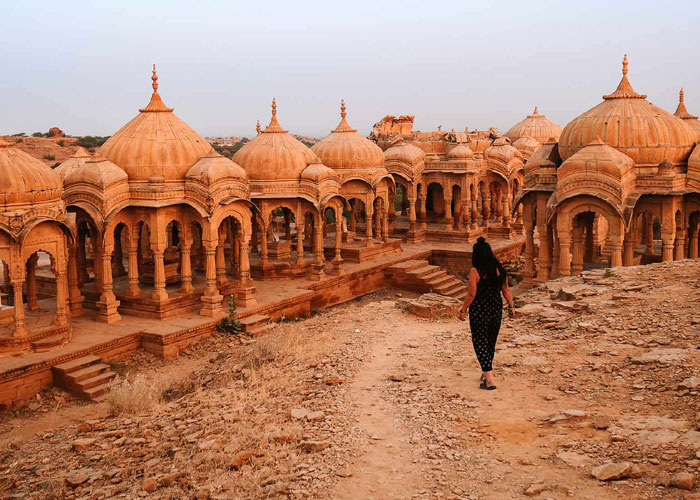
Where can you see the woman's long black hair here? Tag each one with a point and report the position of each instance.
(490, 270)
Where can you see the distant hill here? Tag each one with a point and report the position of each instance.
(55, 150)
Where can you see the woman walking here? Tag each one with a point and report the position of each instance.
(487, 281)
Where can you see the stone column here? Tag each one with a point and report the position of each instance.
(667, 252)
(693, 244)
(211, 299)
(264, 259)
(83, 275)
(338, 259)
(318, 268)
(32, 299)
(577, 251)
(76, 298)
(649, 240)
(108, 303)
(680, 245)
(465, 216)
(411, 217)
(377, 224)
(448, 212)
(485, 211)
(616, 255)
(97, 267)
(353, 221)
(61, 298)
(300, 244)
(118, 266)
(528, 268)
(245, 292)
(544, 255)
(564, 255)
(221, 279)
(288, 226)
(159, 293)
(628, 249)
(555, 253)
(506, 211)
(20, 328)
(475, 212)
(369, 211)
(186, 266)
(134, 289)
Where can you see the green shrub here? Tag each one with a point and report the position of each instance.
(230, 324)
(89, 141)
(49, 157)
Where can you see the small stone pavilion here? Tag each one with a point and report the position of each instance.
(621, 185)
(33, 221)
(456, 186)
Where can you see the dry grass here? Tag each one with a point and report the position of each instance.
(136, 396)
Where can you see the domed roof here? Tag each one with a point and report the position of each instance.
(536, 126)
(460, 152)
(214, 168)
(596, 169)
(547, 156)
(156, 143)
(403, 151)
(344, 148)
(629, 123)
(691, 121)
(317, 172)
(502, 150)
(274, 154)
(99, 172)
(73, 163)
(480, 144)
(24, 179)
(527, 146)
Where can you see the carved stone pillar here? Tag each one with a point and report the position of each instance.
(693, 244)
(211, 299)
(506, 211)
(449, 221)
(134, 289)
(667, 252)
(300, 244)
(649, 234)
(564, 255)
(108, 303)
(264, 259)
(32, 299)
(485, 210)
(412, 217)
(61, 317)
(368, 229)
(245, 292)
(83, 275)
(616, 255)
(76, 298)
(475, 212)
(423, 213)
(318, 267)
(338, 259)
(159, 293)
(680, 245)
(528, 268)
(577, 251)
(628, 250)
(544, 255)
(186, 266)
(221, 278)
(20, 328)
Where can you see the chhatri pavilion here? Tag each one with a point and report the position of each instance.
(621, 176)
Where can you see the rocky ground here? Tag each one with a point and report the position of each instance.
(598, 380)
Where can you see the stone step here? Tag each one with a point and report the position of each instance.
(448, 286)
(95, 381)
(76, 364)
(47, 343)
(87, 372)
(98, 392)
(439, 280)
(250, 323)
(461, 294)
(422, 271)
(405, 266)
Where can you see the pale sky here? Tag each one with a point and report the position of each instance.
(85, 66)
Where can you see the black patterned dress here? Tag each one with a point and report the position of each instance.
(485, 314)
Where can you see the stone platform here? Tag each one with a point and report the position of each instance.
(23, 376)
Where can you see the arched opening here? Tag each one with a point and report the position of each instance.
(280, 227)
(228, 253)
(435, 202)
(357, 217)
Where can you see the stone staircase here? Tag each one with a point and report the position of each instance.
(421, 276)
(255, 325)
(86, 377)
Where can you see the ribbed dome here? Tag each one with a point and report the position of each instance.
(73, 163)
(460, 152)
(404, 152)
(99, 172)
(215, 168)
(536, 126)
(344, 148)
(629, 123)
(317, 172)
(274, 154)
(156, 143)
(691, 121)
(24, 179)
(527, 146)
(501, 150)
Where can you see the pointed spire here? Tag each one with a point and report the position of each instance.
(81, 152)
(156, 104)
(257, 127)
(274, 126)
(624, 89)
(536, 111)
(343, 126)
(681, 111)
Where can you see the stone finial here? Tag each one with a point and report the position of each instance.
(343, 114)
(536, 111)
(681, 96)
(274, 108)
(624, 65)
(624, 89)
(154, 77)
(257, 127)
